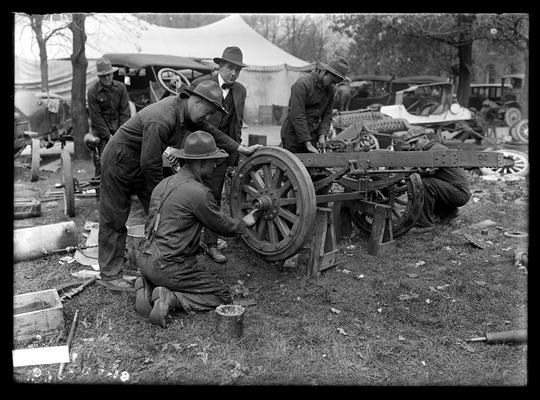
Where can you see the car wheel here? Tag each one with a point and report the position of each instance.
(34, 168)
(520, 166)
(520, 131)
(512, 115)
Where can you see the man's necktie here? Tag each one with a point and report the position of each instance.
(226, 86)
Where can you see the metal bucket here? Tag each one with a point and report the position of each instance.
(134, 244)
(230, 321)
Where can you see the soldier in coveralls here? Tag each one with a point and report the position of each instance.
(445, 189)
(234, 98)
(180, 206)
(310, 107)
(132, 163)
(108, 106)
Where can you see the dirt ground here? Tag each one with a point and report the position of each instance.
(400, 319)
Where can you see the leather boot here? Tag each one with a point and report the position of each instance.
(164, 302)
(216, 255)
(143, 301)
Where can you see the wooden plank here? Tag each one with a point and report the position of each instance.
(40, 355)
(323, 249)
(37, 313)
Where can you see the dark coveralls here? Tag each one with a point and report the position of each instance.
(309, 115)
(108, 108)
(230, 124)
(132, 163)
(444, 191)
(179, 208)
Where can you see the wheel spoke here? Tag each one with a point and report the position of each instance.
(272, 232)
(285, 188)
(267, 175)
(276, 178)
(286, 214)
(261, 229)
(282, 226)
(402, 202)
(250, 190)
(256, 178)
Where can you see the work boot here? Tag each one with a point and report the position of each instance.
(447, 219)
(164, 302)
(119, 285)
(216, 255)
(143, 301)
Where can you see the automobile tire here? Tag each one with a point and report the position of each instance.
(520, 168)
(512, 115)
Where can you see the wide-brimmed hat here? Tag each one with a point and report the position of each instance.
(233, 55)
(412, 135)
(339, 67)
(104, 66)
(211, 92)
(199, 145)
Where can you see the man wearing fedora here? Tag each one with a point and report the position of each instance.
(180, 206)
(108, 106)
(310, 107)
(234, 97)
(445, 189)
(132, 163)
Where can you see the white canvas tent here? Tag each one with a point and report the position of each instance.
(268, 78)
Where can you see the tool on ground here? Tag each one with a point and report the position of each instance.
(72, 292)
(70, 339)
(72, 248)
(516, 336)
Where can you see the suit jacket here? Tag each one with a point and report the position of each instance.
(239, 96)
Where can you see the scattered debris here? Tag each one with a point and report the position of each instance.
(475, 242)
(412, 275)
(429, 301)
(403, 297)
(78, 289)
(521, 257)
(419, 263)
(361, 276)
(400, 338)
(342, 331)
(221, 244)
(85, 274)
(480, 283)
(465, 346)
(335, 310)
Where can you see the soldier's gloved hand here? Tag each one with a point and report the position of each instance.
(311, 148)
(248, 150)
(251, 218)
(91, 140)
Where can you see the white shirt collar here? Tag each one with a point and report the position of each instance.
(221, 82)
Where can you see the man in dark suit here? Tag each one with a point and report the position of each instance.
(234, 97)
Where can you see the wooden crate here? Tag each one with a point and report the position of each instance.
(37, 313)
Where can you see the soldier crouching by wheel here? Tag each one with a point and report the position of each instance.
(180, 206)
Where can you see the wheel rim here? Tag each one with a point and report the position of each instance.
(512, 115)
(520, 165)
(280, 183)
(405, 197)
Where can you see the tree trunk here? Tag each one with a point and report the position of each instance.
(79, 63)
(525, 88)
(36, 22)
(465, 49)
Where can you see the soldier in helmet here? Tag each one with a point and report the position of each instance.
(180, 206)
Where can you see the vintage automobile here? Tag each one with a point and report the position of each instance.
(485, 91)
(39, 118)
(431, 105)
(369, 91)
(511, 101)
(150, 77)
(406, 82)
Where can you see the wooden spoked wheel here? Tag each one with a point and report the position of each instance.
(519, 163)
(520, 131)
(279, 184)
(69, 184)
(406, 199)
(512, 115)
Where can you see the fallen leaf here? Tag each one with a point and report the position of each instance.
(400, 338)
(404, 297)
(429, 301)
(480, 283)
(361, 276)
(335, 310)
(346, 271)
(379, 310)
(340, 330)
(419, 263)
(412, 275)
